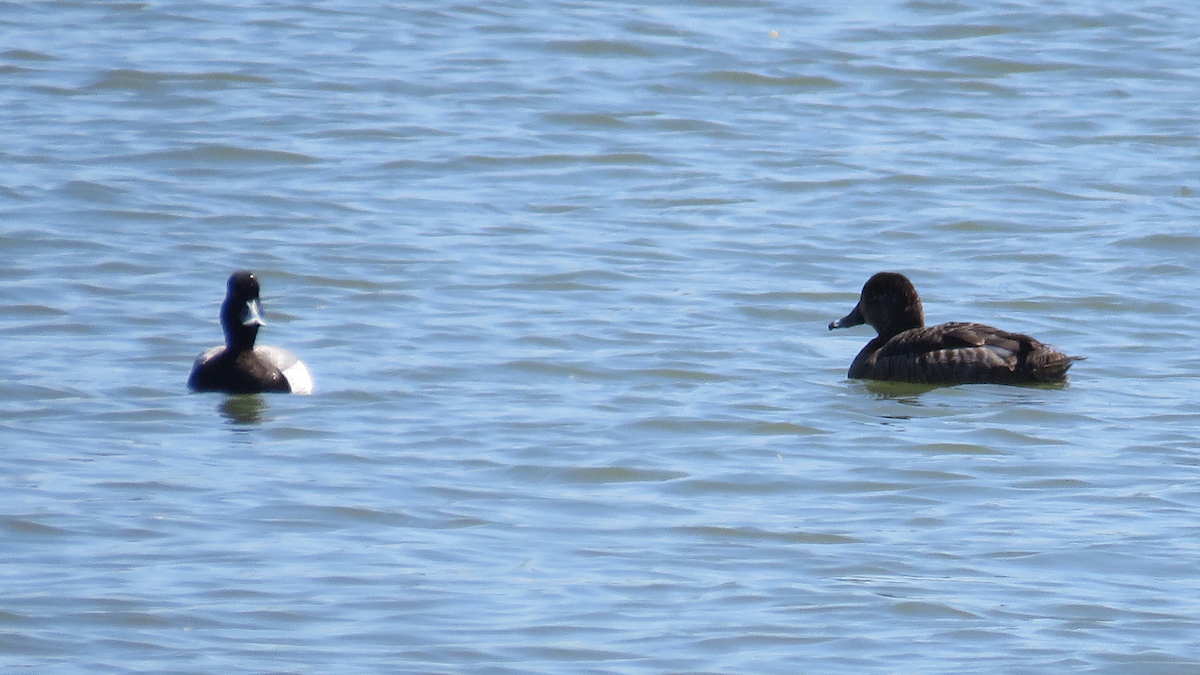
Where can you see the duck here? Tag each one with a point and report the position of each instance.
(906, 350)
(238, 366)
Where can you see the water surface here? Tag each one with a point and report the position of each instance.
(562, 274)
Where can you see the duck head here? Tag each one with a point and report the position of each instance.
(889, 303)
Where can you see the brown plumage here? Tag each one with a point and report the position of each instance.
(950, 353)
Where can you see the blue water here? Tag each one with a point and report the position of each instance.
(562, 274)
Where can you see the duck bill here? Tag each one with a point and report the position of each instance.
(854, 318)
(252, 314)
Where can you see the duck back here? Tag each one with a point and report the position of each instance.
(960, 353)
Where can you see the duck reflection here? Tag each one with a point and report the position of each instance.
(244, 410)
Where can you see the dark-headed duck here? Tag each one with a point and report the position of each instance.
(950, 353)
(239, 367)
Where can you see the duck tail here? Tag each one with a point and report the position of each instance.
(1050, 366)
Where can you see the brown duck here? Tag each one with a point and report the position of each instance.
(906, 350)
